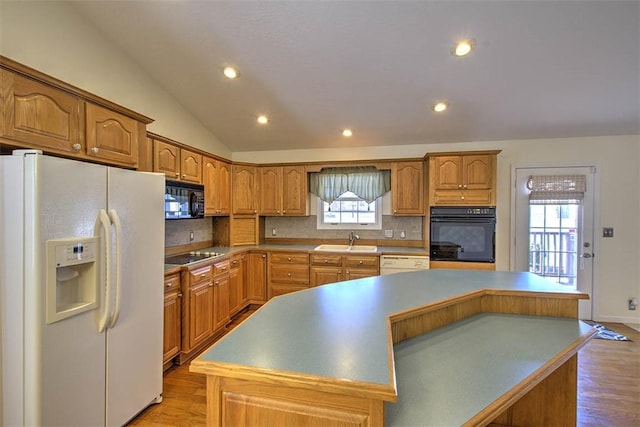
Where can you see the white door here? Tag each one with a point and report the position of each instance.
(554, 237)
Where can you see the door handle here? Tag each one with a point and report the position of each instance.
(587, 255)
(115, 220)
(104, 221)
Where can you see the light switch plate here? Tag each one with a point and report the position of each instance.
(388, 234)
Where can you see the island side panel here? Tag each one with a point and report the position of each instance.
(234, 402)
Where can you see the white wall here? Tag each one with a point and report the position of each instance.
(52, 38)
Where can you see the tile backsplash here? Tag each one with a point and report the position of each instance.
(177, 232)
(305, 227)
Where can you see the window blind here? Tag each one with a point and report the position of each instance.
(556, 189)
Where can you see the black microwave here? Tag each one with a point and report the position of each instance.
(183, 200)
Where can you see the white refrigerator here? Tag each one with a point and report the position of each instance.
(81, 291)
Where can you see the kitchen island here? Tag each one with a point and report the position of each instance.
(325, 356)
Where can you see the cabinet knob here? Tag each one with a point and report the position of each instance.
(326, 261)
(284, 212)
(203, 275)
(76, 147)
(217, 282)
(289, 274)
(360, 262)
(464, 186)
(395, 211)
(264, 256)
(177, 174)
(277, 210)
(184, 175)
(180, 295)
(169, 285)
(461, 197)
(95, 150)
(339, 271)
(288, 258)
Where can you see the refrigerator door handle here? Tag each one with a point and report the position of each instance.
(106, 228)
(115, 220)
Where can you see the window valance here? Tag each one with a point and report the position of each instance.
(366, 182)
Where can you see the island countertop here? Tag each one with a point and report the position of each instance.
(339, 335)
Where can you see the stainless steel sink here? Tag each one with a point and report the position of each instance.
(346, 248)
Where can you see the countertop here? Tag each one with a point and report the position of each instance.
(340, 330)
(230, 250)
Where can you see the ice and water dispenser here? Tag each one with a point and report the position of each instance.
(71, 277)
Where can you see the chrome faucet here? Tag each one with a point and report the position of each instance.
(352, 238)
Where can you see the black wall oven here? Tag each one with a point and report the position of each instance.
(463, 234)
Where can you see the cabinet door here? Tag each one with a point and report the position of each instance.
(190, 166)
(477, 172)
(172, 313)
(464, 198)
(407, 188)
(210, 181)
(270, 190)
(237, 285)
(244, 189)
(40, 116)
(257, 277)
(112, 136)
(446, 172)
(295, 189)
(352, 273)
(166, 159)
(200, 313)
(221, 301)
(224, 188)
(321, 275)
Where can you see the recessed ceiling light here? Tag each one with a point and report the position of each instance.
(231, 72)
(347, 132)
(263, 120)
(463, 48)
(440, 107)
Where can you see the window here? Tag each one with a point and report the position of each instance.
(350, 212)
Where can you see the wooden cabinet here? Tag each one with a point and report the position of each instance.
(407, 188)
(463, 179)
(172, 319)
(177, 163)
(257, 277)
(288, 272)
(331, 267)
(283, 190)
(112, 137)
(198, 326)
(40, 115)
(245, 184)
(238, 291)
(221, 295)
(216, 177)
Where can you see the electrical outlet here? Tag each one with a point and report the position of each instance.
(191, 236)
(403, 234)
(633, 303)
(274, 231)
(607, 232)
(388, 234)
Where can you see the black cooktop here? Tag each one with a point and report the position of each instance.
(189, 258)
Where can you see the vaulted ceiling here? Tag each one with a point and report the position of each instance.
(539, 69)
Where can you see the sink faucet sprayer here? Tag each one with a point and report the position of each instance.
(352, 238)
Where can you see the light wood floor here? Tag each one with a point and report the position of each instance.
(608, 387)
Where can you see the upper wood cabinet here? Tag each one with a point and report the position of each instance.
(177, 163)
(245, 184)
(40, 115)
(40, 112)
(463, 178)
(216, 177)
(407, 188)
(111, 136)
(283, 190)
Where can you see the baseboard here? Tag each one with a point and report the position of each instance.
(618, 319)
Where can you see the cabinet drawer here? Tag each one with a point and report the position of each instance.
(199, 275)
(172, 282)
(290, 273)
(289, 258)
(221, 267)
(362, 261)
(463, 197)
(326, 259)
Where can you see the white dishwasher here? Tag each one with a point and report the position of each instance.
(390, 264)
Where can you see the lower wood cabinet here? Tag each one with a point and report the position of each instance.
(238, 290)
(330, 268)
(172, 319)
(288, 272)
(221, 295)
